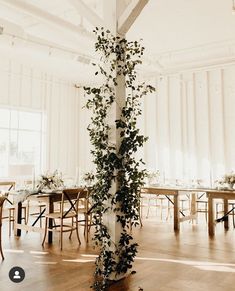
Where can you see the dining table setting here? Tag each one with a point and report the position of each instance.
(49, 198)
(47, 191)
(220, 189)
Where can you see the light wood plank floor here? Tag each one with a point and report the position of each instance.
(166, 261)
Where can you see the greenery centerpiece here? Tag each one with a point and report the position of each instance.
(50, 180)
(153, 177)
(116, 163)
(88, 178)
(227, 181)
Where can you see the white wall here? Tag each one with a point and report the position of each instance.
(22, 86)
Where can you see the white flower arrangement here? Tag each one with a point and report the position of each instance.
(50, 180)
(153, 177)
(227, 181)
(152, 174)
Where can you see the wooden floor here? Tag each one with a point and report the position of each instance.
(166, 261)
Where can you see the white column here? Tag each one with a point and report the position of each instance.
(110, 13)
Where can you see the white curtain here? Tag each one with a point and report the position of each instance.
(190, 122)
(29, 88)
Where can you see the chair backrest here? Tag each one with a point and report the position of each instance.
(71, 197)
(2, 199)
(7, 185)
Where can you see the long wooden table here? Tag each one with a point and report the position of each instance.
(212, 194)
(176, 192)
(48, 199)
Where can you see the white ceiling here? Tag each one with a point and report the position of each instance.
(169, 25)
(166, 26)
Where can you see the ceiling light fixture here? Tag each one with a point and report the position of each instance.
(83, 59)
(13, 41)
(51, 50)
(233, 6)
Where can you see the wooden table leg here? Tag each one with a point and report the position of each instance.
(18, 215)
(211, 225)
(193, 211)
(50, 222)
(226, 222)
(176, 212)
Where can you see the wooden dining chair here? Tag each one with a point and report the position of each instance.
(2, 199)
(219, 209)
(158, 202)
(7, 186)
(202, 204)
(37, 206)
(85, 209)
(68, 210)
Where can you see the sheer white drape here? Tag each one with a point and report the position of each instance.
(32, 89)
(190, 122)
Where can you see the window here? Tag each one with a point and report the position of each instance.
(21, 142)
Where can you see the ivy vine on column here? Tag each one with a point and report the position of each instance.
(118, 57)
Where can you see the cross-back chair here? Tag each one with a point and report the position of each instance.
(7, 186)
(68, 210)
(85, 209)
(2, 200)
(37, 206)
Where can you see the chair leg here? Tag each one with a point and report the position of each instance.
(140, 214)
(9, 222)
(233, 216)
(1, 242)
(25, 216)
(147, 215)
(61, 235)
(90, 223)
(168, 210)
(218, 209)
(45, 233)
(77, 231)
(86, 226)
(40, 220)
(11, 217)
(156, 205)
(1, 253)
(85, 219)
(71, 229)
(41, 209)
(27, 213)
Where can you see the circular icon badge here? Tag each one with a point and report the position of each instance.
(16, 274)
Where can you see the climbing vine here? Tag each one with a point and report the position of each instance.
(116, 163)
